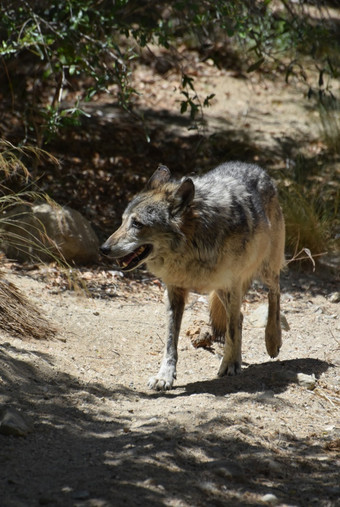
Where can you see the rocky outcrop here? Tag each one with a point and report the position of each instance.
(44, 232)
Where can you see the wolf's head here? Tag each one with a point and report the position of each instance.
(151, 221)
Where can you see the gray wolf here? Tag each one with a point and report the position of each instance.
(210, 234)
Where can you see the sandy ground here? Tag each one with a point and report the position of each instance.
(100, 437)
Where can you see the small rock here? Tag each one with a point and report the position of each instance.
(259, 318)
(284, 323)
(266, 395)
(149, 482)
(270, 467)
(227, 469)
(335, 297)
(208, 487)
(308, 381)
(274, 467)
(81, 495)
(200, 340)
(198, 337)
(14, 423)
(270, 499)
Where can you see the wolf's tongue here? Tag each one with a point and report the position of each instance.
(126, 260)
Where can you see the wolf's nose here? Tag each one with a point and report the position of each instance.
(105, 250)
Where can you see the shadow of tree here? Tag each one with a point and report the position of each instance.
(80, 456)
(111, 156)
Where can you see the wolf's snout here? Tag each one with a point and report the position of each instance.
(105, 250)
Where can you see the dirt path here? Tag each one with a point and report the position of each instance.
(101, 438)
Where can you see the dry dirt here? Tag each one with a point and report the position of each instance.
(100, 437)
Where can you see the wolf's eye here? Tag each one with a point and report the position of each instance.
(136, 224)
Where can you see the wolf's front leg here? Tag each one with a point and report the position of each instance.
(167, 372)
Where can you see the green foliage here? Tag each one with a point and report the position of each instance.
(191, 101)
(50, 44)
(90, 46)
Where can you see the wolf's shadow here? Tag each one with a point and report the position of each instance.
(257, 378)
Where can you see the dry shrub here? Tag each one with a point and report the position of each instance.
(330, 125)
(12, 158)
(306, 225)
(19, 316)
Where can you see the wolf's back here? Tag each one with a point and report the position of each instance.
(242, 176)
(235, 194)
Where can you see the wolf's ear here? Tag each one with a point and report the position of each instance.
(183, 196)
(160, 176)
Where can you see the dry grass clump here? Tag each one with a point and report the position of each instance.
(306, 227)
(311, 207)
(20, 317)
(12, 158)
(330, 126)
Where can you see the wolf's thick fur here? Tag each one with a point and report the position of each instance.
(210, 234)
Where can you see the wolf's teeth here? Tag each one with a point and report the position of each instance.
(130, 257)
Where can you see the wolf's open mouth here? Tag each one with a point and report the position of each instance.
(134, 259)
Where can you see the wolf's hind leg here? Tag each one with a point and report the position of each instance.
(232, 357)
(167, 372)
(218, 318)
(273, 327)
(271, 276)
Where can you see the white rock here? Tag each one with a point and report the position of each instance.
(259, 318)
(270, 499)
(14, 423)
(335, 297)
(308, 381)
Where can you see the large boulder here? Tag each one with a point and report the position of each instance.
(44, 232)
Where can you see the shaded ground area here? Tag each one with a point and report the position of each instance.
(101, 438)
(254, 118)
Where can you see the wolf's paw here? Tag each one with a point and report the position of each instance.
(273, 344)
(161, 382)
(229, 368)
(273, 350)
